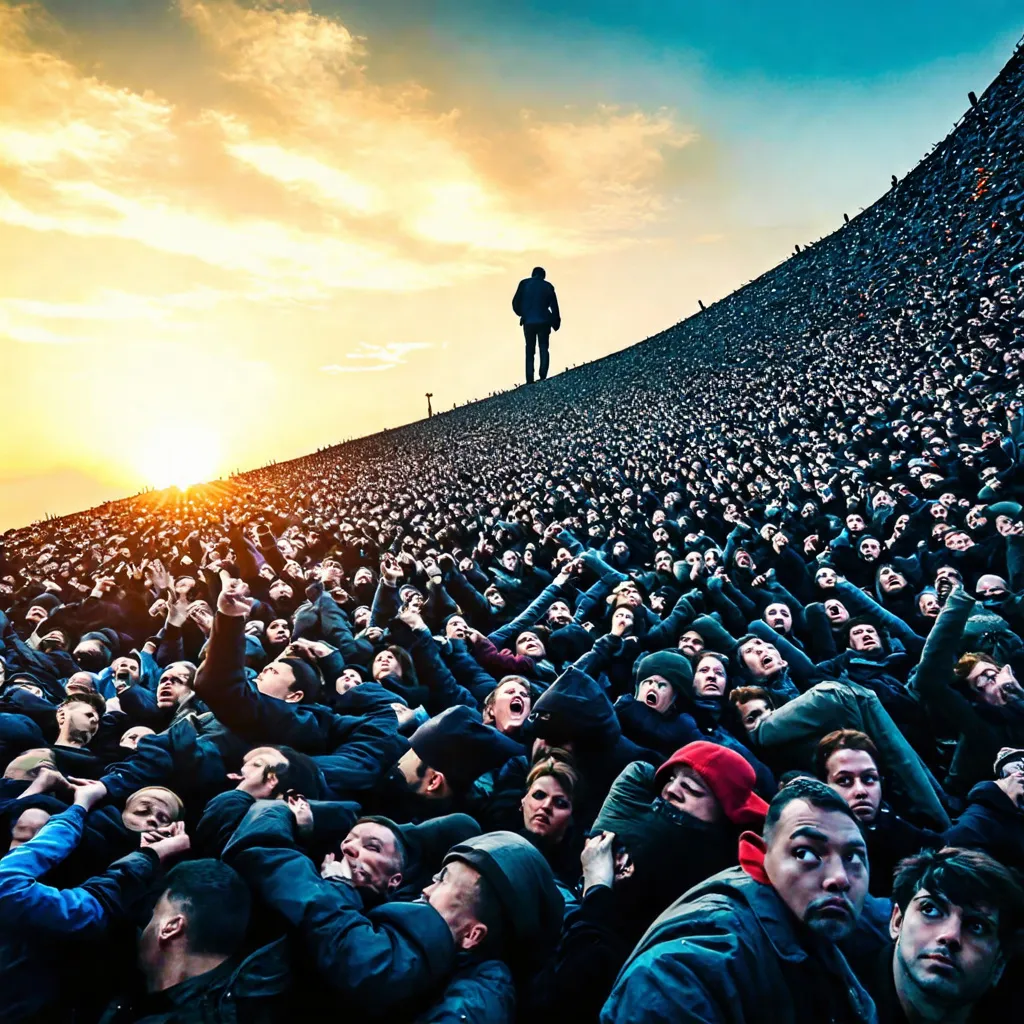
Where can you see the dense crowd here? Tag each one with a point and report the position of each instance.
(683, 686)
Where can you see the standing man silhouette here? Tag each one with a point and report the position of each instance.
(536, 306)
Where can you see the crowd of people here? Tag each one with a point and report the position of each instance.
(685, 686)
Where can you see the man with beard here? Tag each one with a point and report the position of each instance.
(953, 924)
(758, 942)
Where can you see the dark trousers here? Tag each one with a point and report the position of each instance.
(535, 333)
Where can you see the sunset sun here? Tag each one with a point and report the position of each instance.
(178, 456)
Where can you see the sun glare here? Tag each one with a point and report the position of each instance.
(178, 455)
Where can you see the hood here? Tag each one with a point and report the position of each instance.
(574, 707)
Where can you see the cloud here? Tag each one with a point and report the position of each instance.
(302, 176)
(378, 357)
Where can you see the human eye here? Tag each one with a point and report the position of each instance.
(806, 855)
(979, 926)
(870, 778)
(928, 909)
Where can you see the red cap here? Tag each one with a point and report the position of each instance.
(728, 775)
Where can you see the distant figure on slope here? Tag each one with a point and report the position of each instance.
(536, 305)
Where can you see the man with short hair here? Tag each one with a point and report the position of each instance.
(758, 942)
(955, 917)
(189, 954)
(493, 904)
(536, 305)
(78, 719)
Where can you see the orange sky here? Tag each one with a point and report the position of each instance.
(238, 242)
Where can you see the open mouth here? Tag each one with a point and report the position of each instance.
(517, 705)
(768, 661)
(651, 700)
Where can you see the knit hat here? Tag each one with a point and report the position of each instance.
(524, 885)
(1006, 756)
(426, 845)
(459, 745)
(674, 667)
(728, 775)
(304, 775)
(46, 600)
(307, 678)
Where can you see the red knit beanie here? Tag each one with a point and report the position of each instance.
(727, 774)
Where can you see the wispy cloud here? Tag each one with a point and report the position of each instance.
(378, 357)
(305, 176)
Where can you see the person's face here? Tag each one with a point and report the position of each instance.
(691, 642)
(386, 664)
(174, 685)
(991, 587)
(130, 739)
(779, 617)
(891, 581)
(495, 598)
(870, 549)
(27, 765)
(623, 618)
(836, 611)
(254, 778)
(761, 659)
(280, 591)
(361, 617)
(371, 852)
(855, 523)
(456, 628)
(657, 693)
(146, 811)
(853, 774)
(629, 594)
(278, 632)
(687, 791)
(363, 577)
(28, 824)
(453, 894)
(983, 679)
(711, 559)
(864, 637)
(1004, 525)
(547, 810)
(529, 643)
(276, 680)
(825, 578)
(559, 614)
(511, 705)
(752, 712)
(510, 560)
(928, 606)
(663, 561)
(78, 722)
(948, 954)
(709, 677)
(348, 678)
(36, 614)
(817, 862)
(743, 560)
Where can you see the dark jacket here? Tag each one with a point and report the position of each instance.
(393, 963)
(991, 822)
(535, 302)
(253, 991)
(730, 950)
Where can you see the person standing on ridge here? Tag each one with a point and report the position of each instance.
(536, 305)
